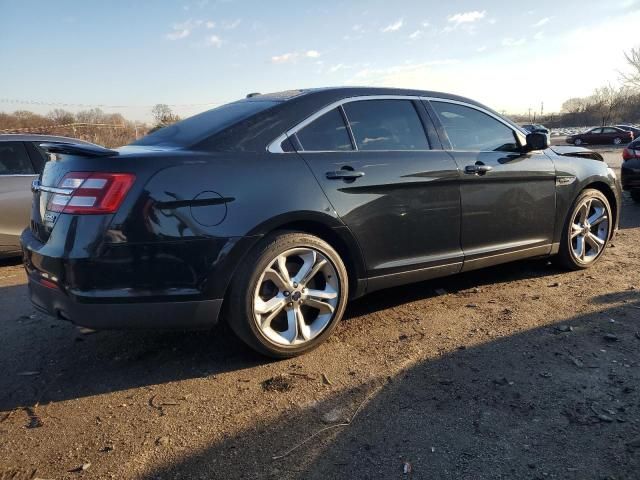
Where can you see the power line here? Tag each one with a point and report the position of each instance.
(15, 101)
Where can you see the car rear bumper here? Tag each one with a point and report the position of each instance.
(630, 174)
(198, 314)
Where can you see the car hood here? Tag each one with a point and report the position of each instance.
(569, 151)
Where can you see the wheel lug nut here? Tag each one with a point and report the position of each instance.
(290, 304)
(286, 294)
(295, 285)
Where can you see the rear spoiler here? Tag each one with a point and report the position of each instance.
(79, 149)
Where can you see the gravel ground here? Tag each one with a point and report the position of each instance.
(518, 371)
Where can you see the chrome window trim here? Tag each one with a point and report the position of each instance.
(275, 145)
(517, 132)
(5, 175)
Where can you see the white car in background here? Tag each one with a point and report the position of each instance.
(21, 161)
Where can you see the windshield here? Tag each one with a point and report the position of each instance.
(191, 130)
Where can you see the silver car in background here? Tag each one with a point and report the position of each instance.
(21, 161)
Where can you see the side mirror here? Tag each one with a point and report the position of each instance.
(537, 141)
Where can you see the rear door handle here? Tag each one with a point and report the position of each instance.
(344, 175)
(477, 169)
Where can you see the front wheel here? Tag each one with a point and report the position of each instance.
(577, 142)
(289, 294)
(587, 230)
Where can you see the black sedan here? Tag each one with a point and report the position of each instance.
(275, 210)
(630, 170)
(600, 136)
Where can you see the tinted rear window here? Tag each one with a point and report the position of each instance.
(195, 129)
(328, 133)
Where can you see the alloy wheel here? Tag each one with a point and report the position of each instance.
(589, 230)
(296, 296)
(617, 141)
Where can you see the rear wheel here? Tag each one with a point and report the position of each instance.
(617, 141)
(635, 195)
(289, 294)
(587, 230)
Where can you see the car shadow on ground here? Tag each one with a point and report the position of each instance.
(71, 364)
(560, 401)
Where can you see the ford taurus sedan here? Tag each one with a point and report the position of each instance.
(273, 211)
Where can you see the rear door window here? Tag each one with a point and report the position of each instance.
(387, 125)
(469, 129)
(14, 159)
(327, 133)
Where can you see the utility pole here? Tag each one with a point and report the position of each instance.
(541, 109)
(529, 114)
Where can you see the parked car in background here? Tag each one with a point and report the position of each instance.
(601, 136)
(535, 127)
(630, 169)
(277, 209)
(21, 161)
(630, 128)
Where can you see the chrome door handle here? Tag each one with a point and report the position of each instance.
(477, 169)
(344, 175)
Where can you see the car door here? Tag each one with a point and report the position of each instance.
(608, 134)
(16, 174)
(399, 197)
(507, 196)
(593, 136)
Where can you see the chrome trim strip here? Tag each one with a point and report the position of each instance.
(5, 175)
(469, 105)
(36, 186)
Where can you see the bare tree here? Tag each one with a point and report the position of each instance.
(61, 117)
(632, 78)
(163, 115)
(608, 101)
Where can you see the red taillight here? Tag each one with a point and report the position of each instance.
(91, 192)
(626, 154)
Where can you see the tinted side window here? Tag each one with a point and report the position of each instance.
(471, 129)
(327, 133)
(610, 130)
(14, 159)
(386, 125)
(595, 131)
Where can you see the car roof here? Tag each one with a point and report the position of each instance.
(344, 92)
(28, 137)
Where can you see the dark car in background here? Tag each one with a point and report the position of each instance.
(630, 128)
(277, 209)
(601, 136)
(21, 161)
(630, 169)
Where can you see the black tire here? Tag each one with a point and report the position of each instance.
(566, 256)
(239, 308)
(635, 195)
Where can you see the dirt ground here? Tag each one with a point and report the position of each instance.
(518, 371)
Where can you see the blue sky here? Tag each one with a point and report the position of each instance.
(129, 55)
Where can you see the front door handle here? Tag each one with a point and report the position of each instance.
(477, 169)
(344, 174)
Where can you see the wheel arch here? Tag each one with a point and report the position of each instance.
(608, 192)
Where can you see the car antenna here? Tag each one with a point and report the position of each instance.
(253, 94)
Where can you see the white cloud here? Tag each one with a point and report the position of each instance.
(357, 28)
(425, 24)
(393, 27)
(182, 30)
(416, 35)
(513, 42)
(284, 58)
(232, 24)
(467, 17)
(539, 35)
(336, 68)
(541, 22)
(209, 24)
(179, 34)
(481, 49)
(214, 41)
(312, 54)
